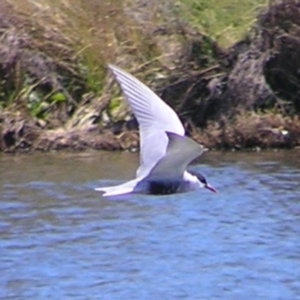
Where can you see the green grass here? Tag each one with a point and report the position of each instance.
(224, 21)
(100, 32)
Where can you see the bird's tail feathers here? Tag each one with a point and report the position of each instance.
(121, 189)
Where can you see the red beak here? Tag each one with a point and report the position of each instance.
(211, 188)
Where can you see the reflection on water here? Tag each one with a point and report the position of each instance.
(59, 239)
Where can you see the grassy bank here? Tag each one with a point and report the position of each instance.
(53, 58)
(224, 21)
(122, 31)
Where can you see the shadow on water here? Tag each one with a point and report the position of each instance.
(61, 240)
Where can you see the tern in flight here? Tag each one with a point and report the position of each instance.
(165, 151)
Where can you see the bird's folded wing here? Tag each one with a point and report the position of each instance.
(180, 152)
(154, 116)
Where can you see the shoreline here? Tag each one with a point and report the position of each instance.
(243, 97)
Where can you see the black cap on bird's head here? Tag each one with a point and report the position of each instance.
(203, 180)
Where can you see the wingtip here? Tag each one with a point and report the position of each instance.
(115, 68)
(112, 67)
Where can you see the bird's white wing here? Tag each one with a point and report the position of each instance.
(154, 116)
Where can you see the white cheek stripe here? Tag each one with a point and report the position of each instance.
(192, 179)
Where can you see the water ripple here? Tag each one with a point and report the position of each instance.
(62, 240)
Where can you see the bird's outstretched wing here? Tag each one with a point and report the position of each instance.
(181, 151)
(154, 116)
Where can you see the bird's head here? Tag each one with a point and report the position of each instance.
(203, 182)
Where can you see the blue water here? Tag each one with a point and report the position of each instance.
(59, 239)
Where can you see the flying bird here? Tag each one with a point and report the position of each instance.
(165, 151)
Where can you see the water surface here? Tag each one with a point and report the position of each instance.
(59, 239)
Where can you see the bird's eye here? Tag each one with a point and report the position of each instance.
(204, 181)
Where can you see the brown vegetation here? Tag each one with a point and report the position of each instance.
(55, 92)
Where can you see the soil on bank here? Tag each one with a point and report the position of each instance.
(246, 96)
